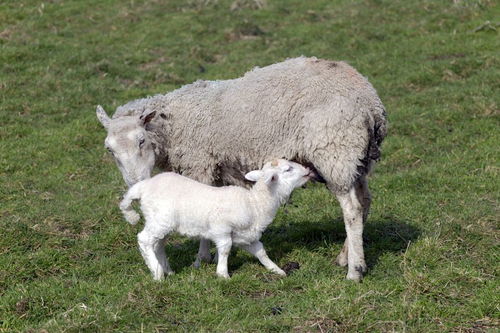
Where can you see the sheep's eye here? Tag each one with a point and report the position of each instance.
(141, 142)
(109, 149)
(289, 169)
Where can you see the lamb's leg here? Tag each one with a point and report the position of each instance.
(352, 210)
(257, 249)
(223, 250)
(147, 245)
(161, 256)
(203, 253)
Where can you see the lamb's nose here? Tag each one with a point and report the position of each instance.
(311, 173)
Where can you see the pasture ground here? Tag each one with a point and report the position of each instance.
(68, 260)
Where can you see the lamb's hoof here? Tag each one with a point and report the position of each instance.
(279, 272)
(341, 259)
(132, 217)
(223, 275)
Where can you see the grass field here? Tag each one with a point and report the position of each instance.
(70, 263)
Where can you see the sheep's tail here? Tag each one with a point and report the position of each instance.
(129, 213)
(377, 133)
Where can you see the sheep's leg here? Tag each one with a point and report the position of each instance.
(352, 210)
(364, 197)
(147, 245)
(216, 257)
(257, 249)
(161, 256)
(203, 174)
(223, 250)
(342, 257)
(203, 253)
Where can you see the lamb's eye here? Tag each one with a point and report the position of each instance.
(141, 142)
(289, 169)
(109, 149)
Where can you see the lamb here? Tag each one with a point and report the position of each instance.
(320, 113)
(225, 215)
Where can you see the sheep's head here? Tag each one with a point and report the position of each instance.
(129, 144)
(282, 174)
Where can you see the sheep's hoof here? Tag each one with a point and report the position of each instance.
(279, 272)
(200, 259)
(357, 273)
(341, 259)
(223, 275)
(354, 277)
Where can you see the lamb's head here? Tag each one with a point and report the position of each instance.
(282, 176)
(129, 144)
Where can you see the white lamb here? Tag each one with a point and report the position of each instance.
(226, 215)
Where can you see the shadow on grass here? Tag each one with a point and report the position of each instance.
(380, 236)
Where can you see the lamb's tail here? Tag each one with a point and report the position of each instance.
(129, 213)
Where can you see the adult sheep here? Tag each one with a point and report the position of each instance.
(320, 113)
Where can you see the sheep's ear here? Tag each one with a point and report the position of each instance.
(146, 119)
(254, 176)
(102, 116)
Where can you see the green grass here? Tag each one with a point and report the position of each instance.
(69, 262)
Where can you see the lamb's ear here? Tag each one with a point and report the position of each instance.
(102, 116)
(144, 120)
(254, 175)
(271, 178)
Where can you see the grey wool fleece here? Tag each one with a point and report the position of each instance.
(317, 112)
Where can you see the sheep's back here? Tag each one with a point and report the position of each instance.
(271, 110)
(305, 109)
